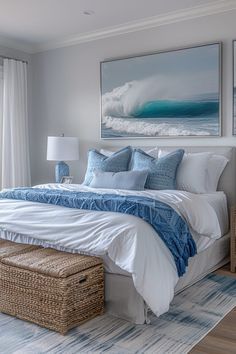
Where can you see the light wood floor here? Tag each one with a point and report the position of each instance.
(222, 339)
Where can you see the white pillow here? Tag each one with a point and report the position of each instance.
(217, 164)
(192, 171)
(106, 152)
(152, 152)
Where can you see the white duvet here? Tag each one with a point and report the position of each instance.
(128, 241)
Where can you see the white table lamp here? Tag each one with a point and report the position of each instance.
(62, 148)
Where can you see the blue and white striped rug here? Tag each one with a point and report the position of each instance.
(193, 313)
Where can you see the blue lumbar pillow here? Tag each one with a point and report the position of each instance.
(162, 171)
(131, 180)
(119, 161)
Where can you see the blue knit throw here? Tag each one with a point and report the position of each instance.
(169, 225)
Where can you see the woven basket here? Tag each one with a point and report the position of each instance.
(8, 248)
(54, 289)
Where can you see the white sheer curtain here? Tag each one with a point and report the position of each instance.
(1, 114)
(15, 167)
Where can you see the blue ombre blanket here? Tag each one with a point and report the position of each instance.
(169, 225)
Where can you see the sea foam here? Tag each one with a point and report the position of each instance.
(145, 128)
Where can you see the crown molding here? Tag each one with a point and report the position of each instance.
(217, 7)
(147, 23)
(10, 43)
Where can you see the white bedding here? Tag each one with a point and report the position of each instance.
(131, 243)
(218, 201)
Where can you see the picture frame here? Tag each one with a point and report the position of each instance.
(166, 94)
(66, 179)
(234, 88)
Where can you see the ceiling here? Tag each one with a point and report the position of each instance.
(34, 25)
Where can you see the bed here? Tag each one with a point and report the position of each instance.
(121, 295)
(131, 306)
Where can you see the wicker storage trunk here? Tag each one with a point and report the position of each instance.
(54, 289)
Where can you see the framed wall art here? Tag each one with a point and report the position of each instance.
(166, 94)
(234, 87)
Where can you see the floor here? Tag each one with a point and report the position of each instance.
(222, 339)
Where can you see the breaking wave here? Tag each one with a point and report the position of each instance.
(160, 97)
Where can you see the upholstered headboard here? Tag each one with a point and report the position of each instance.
(228, 178)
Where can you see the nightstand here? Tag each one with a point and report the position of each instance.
(233, 240)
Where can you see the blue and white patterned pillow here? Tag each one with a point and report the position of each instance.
(119, 161)
(162, 171)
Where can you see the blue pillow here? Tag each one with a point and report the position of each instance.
(119, 161)
(131, 180)
(162, 171)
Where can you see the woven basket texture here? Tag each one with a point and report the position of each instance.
(8, 248)
(54, 289)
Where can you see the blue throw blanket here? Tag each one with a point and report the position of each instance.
(169, 225)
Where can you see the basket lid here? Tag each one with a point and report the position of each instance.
(9, 248)
(51, 262)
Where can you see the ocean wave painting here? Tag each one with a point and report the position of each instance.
(234, 88)
(166, 94)
(234, 111)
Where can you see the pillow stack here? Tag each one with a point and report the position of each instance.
(135, 169)
(199, 172)
(132, 169)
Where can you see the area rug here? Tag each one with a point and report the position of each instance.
(192, 314)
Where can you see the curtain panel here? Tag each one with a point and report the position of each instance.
(1, 117)
(15, 165)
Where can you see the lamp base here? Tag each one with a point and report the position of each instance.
(61, 169)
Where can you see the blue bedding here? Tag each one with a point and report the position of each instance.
(169, 225)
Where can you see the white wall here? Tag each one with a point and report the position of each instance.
(66, 87)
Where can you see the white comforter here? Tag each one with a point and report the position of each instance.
(128, 241)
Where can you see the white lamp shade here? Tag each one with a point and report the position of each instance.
(61, 148)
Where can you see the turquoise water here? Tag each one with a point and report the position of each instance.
(167, 108)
